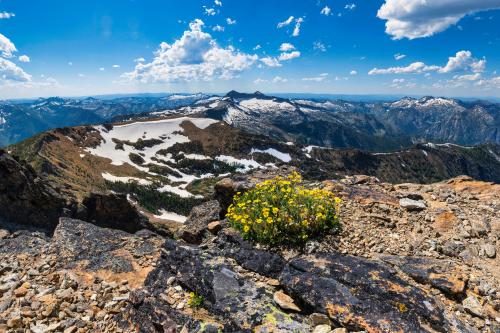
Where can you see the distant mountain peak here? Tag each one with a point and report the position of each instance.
(238, 95)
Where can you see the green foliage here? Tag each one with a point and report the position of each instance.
(282, 211)
(137, 159)
(195, 300)
(152, 200)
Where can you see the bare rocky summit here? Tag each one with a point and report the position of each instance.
(408, 258)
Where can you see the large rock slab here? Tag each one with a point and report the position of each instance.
(440, 274)
(247, 256)
(111, 254)
(234, 301)
(362, 294)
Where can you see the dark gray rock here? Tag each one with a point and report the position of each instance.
(453, 248)
(263, 262)
(197, 222)
(26, 198)
(111, 210)
(235, 300)
(434, 272)
(361, 294)
(227, 188)
(81, 244)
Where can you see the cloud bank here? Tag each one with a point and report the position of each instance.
(423, 18)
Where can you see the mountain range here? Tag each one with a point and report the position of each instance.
(21, 119)
(374, 126)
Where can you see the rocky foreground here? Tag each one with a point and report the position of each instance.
(409, 258)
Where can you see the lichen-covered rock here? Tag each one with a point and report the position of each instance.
(263, 262)
(236, 302)
(437, 273)
(361, 294)
(86, 247)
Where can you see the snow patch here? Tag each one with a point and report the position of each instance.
(164, 215)
(113, 178)
(285, 157)
(242, 164)
(175, 190)
(197, 157)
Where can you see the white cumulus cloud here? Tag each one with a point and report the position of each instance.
(209, 11)
(286, 22)
(298, 23)
(24, 58)
(289, 55)
(9, 71)
(6, 15)
(423, 18)
(279, 79)
(399, 56)
(462, 61)
(6, 47)
(284, 47)
(353, 72)
(259, 80)
(414, 68)
(320, 78)
(326, 11)
(319, 46)
(230, 21)
(195, 56)
(218, 3)
(270, 62)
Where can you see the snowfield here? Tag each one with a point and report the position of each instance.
(118, 145)
(266, 105)
(166, 128)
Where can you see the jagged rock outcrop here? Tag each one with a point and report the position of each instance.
(26, 198)
(111, 210)
(197, 222)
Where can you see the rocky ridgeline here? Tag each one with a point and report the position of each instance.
(408, 258)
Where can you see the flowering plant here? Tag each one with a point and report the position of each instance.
(282, 211)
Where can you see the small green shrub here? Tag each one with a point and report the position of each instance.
(195, 300)
(282, 211)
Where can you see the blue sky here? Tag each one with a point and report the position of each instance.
(74, 48)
